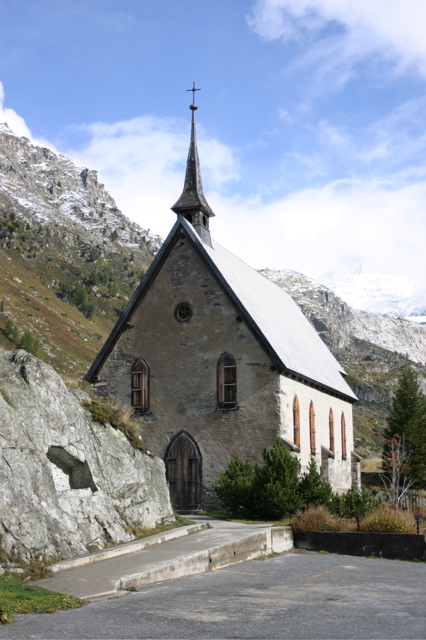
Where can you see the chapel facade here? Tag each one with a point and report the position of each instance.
(216, 361)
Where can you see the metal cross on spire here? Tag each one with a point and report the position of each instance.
(193, 92)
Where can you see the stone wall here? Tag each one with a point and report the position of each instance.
(68, 485)
(183, 357)
(400, 546)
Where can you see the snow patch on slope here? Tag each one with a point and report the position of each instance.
(384, 293)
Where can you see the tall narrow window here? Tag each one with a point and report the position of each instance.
(140, 386)
(344, 452)
(312, 428)
(226, 382)
(331, 429)
(296, 422)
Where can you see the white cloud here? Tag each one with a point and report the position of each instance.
(142, 162)
(18, 125)
(314, 228)
(393, 28)
(11, 118)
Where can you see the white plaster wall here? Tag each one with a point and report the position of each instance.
(339, 470)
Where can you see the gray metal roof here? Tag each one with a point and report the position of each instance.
(275, 319)
(280, 320)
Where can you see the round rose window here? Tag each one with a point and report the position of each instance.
(183, 312)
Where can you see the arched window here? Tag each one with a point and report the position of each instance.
(226, 382)
(140, 386)
(296, 422)
(312, 428)
(331, 429)
(344, 452)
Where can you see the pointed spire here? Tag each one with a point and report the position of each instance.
(193, 200)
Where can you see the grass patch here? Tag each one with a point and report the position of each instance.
(118, 419)
(384, 519)
(270, 555)
(319, 519)
(7, 399)
(139, 533)
(18, 597)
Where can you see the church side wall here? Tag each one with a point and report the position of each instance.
(182, 359)
(336, 470)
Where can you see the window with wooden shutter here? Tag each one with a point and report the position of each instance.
(344, 452)
(140, 386)
(296, 422)
(331, 429)
(226, 382)
(312, 428)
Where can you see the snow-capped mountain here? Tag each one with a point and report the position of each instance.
(389, 294)
(47, 188)
(338, 323)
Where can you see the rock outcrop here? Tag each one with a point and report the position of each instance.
(47, 188)
(68, 485)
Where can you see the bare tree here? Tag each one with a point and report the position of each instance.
(396, 470)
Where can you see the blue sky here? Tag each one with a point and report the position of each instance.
(311, 126)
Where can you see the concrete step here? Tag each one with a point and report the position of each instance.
(224, 543)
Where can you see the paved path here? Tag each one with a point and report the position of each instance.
(222, 544)
(293, 595)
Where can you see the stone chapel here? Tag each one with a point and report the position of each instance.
(216, 361)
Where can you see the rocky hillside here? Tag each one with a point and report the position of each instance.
(372, 348)
(68, 485)
(69, 258)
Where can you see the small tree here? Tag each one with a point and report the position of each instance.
(276, 483)
(313, 489)
(8, 327)
(353, 503)
(235, 488)
(29, 343)
(407, 420)
(396, 467)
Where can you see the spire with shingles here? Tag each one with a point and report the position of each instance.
(192, 204)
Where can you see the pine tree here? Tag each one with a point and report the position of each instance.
(276, 483)
(407, 419)
(313, 489)
(9, 327)
(235, 486)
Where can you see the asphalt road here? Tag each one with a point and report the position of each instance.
(294, 595)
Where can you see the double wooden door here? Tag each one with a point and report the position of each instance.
(183, 472)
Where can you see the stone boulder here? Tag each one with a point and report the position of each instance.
(68, 485)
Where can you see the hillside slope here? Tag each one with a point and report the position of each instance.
(69, 258)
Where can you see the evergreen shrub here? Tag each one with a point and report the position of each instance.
(272, 490)
(353, 504)
(313, 489)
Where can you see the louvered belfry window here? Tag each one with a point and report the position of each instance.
(312, 428)
(344, 452)
(226, 382)
(331, 429)
(296, 421)
(140, 386)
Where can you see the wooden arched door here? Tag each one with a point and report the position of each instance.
(184, 472)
